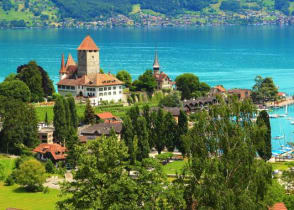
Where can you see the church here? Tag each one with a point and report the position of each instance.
(84, 78)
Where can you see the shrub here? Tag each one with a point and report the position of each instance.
(9, 180)
(49, 166)
(2, 169)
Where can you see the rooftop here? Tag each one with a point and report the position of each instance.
(102, 129)
(57, 151)
(88, 44)
(105, 115)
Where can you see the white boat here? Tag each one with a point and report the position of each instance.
(279, 137)
(292, 122)
(274, 116)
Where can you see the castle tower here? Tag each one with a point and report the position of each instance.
(70, 61)
(62, 71)
(156, 65)
(88, 58)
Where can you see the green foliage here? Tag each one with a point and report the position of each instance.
(2, 169)
(31, 175)
(145, 82)
(164, 156)
(264, 145)
(49, 166)
(60, 121)
(171, 100)
(15, 89)
(230, 5)
(170, 127)
(158, 128)
(264, 90)
(125, 77)
(282, 5)
(222, 160)
(10, 77)
(31, 75)
(9, 181)
(20, 126)
(89, 116)
(182, 130)
(143, 136)
(190, 86)
(73, 112)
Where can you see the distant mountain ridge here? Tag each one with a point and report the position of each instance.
(53, 12)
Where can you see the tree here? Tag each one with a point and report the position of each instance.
(147, 115)
(170, 127)
(282, 5)
(145, 82)
(232, 5)
(189, 84)
(2, 170)
(20, 126)
(222, 160)
(15, 89)
(46, 82)
(265, 151)
(171, 100)
(31, 75)
(182, 129)
(102, 181)
(49, 166)
(10, 77)
(264, 90)
(128, 135)
(60, 121)
(73, 112)
(142, 134)
(31, 175)
(125, 77)
(46, 121)
(159, 131)
(89, 116)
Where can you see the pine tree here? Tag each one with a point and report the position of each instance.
(67, 114)
(128, 137)
(89, 114)
(170, 127)
(59, 121)
(46, 119)
(265, 151)
(73, 112)
(143, 145)
(182, 130)
(159, 131)
(147, 116)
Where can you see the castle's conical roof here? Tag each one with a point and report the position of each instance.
(88, 44)
(62, 67)
(70, 61)
(156, 63)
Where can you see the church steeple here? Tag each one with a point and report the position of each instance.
(156, 65)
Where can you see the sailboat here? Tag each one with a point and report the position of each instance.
(286, 112)
(281, 136)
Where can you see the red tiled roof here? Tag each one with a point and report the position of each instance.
(62, 67)
(105, 115)
(220, 88)
(56, 150)
(101, 80)
(70, 61)
(88, 44)
(161, 76)
(281, 94)
(278, 206)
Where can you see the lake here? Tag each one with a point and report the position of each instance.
(231, 55)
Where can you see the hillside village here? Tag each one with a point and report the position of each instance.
(137, 132)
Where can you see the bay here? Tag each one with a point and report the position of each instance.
(231, 55)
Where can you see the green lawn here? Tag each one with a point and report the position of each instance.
(8, 164)
(174, 167)
(15, 197)
(282, 165)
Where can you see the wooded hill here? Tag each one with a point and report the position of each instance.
(34, 11)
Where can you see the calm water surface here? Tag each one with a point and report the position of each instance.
(231, 56)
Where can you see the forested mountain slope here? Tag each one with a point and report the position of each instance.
(50, 12)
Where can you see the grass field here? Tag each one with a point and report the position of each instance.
(174, 167)
(8, 164)
(16, 197)
(282, 165)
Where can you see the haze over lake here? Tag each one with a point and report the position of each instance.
(231, 56)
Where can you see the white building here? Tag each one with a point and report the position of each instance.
(85, 80)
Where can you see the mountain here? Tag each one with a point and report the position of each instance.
(72, 12)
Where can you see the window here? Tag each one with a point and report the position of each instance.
(105, 93)
(109, 93)
(100, 94)
(59, 86)
(105, 88)
(67, 87)
(114, 88)
(109, 88)
(114, 93)
(100, 89)
(119, 92)
(119, 87)
(72, 87)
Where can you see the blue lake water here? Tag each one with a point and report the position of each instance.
(231, 56)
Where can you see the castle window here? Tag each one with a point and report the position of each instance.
(119, 87)
(119, 92)
(109, 93)
(105, 88)
(105, 93)
(114, 88)
(100, 94)
(100, 89)
(114, 93)
(109, 88)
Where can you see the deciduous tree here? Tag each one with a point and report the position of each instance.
(89, 116)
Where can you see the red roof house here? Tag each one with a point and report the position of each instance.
(88, 44)
(278, 206)
(55, 152)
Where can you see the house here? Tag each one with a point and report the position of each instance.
(84, 78)
(46, 135)
(54, 152)
(217, 90)
(281, 95)
(241, 93)
(175, 111)
(193, 105)
(163, 81)
(101, 129)
(107, 117)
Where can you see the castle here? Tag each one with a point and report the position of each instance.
(85, 80)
